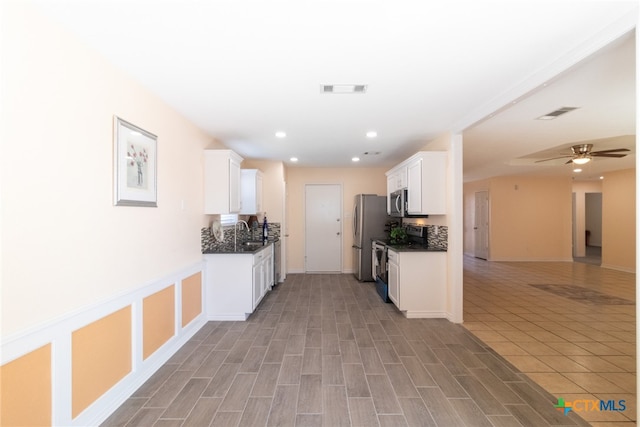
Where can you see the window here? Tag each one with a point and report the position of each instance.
(228, 219)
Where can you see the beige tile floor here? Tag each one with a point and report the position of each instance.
(576, 350)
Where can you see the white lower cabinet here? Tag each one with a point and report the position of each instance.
(418, 283)
(236, 283)
(262, 274)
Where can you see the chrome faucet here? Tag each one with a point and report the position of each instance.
(235, 231)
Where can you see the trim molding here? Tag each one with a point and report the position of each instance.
(618, 268)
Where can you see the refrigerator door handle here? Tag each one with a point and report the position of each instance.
(355, 211)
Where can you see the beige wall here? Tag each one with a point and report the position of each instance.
(64, 244)
(534, 222)
(530, 218)
(619, 220)
(353, 180)
(273, 186)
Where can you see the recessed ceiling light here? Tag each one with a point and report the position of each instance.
(602, 177)
(281, 134)
(355, 159)
(576, 170)
(372, 134)
(294, 159)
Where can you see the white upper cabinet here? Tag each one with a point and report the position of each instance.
(222, 193)
(424, 175)
(427, 183)
(251, 184)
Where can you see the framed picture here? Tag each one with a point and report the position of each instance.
(135, 165)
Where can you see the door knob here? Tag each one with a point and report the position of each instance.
(338, 233)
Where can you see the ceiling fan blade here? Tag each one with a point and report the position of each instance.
(601, 154)
(553, 158)
(610, 151)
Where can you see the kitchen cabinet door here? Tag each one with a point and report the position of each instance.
(221, 182)
(394, 278)
(267, 282)
(235, 190)
(259, 275)
(414, 187)
(427, 183)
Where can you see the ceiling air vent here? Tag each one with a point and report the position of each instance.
(557, 113)
(343, 88)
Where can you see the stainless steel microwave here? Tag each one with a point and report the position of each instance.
(398, 203)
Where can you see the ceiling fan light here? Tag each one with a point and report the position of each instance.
(581, 160)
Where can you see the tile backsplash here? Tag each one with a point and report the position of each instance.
(208, 243)
(438, 236)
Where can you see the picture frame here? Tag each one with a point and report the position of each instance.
(135, 165)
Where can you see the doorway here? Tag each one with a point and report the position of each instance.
(592, 229)
(323, 228)
(481, 225)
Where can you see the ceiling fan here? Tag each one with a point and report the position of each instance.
(582, 154)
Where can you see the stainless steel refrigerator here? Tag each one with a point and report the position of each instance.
(369, 218)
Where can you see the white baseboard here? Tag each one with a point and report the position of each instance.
(229, 317)
(425, 314)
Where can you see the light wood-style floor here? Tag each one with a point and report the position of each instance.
(325, 350)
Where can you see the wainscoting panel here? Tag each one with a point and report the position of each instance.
(25, 387)
(101, 355)
(191, 298)
(158, 319)
(77, 369)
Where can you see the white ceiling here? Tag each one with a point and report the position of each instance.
(242, 70)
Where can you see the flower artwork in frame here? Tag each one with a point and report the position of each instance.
(135, 165)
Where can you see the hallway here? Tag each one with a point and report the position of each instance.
(325, 350)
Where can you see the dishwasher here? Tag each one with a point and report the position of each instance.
(276, 261)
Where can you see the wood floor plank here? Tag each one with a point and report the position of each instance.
(283, 407)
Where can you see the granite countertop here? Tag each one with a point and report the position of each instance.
(241, 247)
(410, 247)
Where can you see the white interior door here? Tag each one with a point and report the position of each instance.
(323, 228)
(481, 225)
